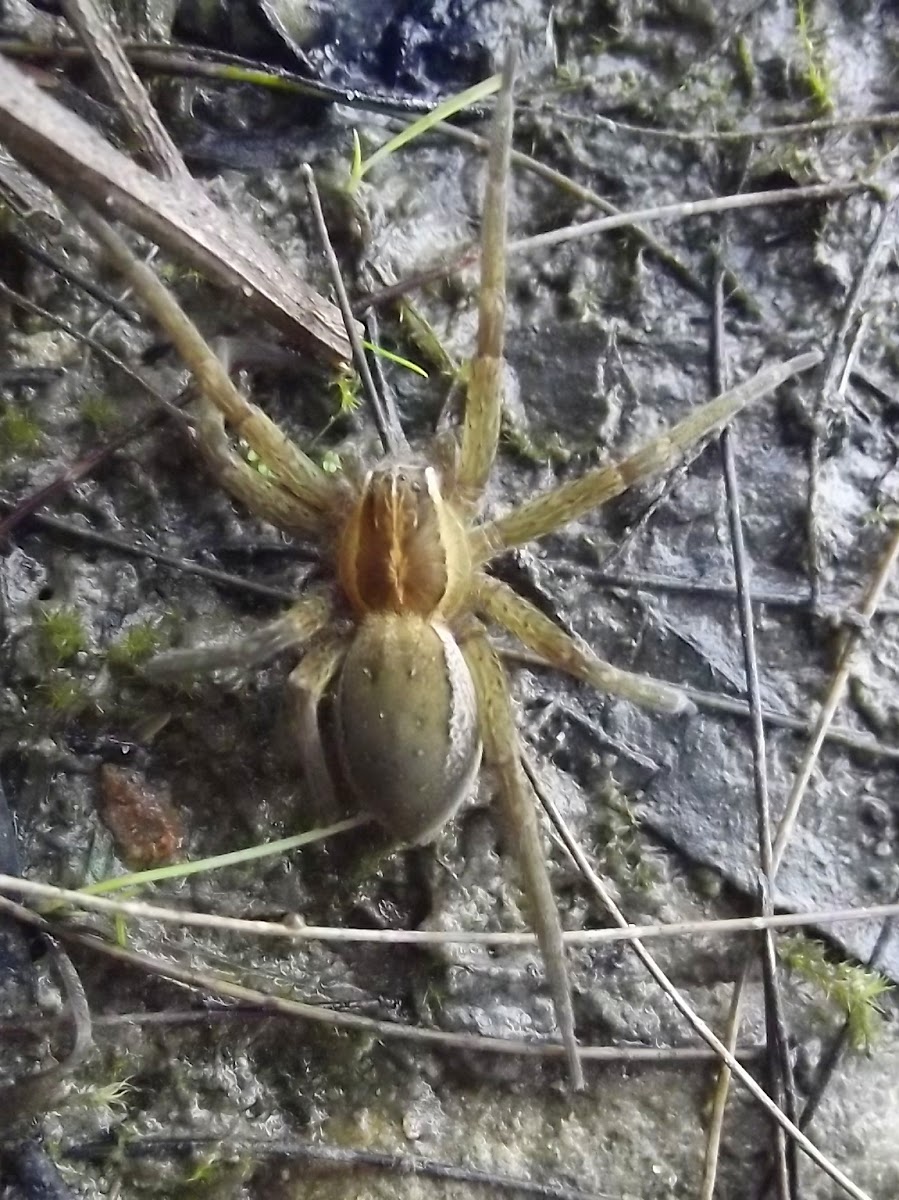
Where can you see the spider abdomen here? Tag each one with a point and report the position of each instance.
(406, 724)
(403, 548)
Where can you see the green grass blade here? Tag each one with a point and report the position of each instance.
(442, 112)
(396, 358)
(233, 859)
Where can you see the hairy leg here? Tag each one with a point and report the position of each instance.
(290, 631)
(556, 508)
(502, 751)
(500, 603)
(294, 469)
(308, 682)
(483, 405)
(263, 497)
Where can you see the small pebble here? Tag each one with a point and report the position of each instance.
(144, 823)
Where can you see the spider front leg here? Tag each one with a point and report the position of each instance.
(291, 631)
(262, 496)
(502, 751)
(294, 471)
(484, 397)
(557, 507)
(559, 649)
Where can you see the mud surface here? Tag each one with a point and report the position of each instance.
(607, 343)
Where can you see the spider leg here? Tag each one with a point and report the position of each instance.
(261, 496)
(553, 509)
(526, 622)
(294, 469)
(290, 631)
(308, 682)
(503, 752)
(483, 405)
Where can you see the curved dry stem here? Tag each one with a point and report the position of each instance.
(95, 899)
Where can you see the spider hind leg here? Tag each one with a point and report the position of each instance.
(502, 751)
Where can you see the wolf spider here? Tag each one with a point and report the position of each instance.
(398, 639)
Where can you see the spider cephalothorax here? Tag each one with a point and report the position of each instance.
(404, 548)
(417, 690)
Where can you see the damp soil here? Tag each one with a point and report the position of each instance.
(606, 343)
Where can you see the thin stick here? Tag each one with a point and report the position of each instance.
(77, 279)
(585, 195)
(316, 1153)
(112, 1023)
(85, 339)
(203, 62)
(390, 431)
(792, 129)
(717, 702)
(135, 550)
(98, 33)
(33, 1093)
(835, 375)
(296, 931)
(687, 208)
(832, 700)
(211, 984)
(840, 678)
(680, 211)
(777, 1040)
(722, 1087)
(88, 463)
(658, 582)
(686, 1011)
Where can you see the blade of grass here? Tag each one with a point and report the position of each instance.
(233, 858)
(443, 112)
(395, 358)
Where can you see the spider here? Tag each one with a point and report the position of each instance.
(397, 640)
